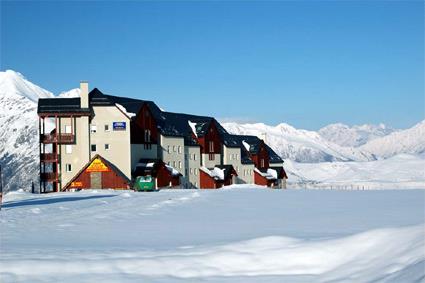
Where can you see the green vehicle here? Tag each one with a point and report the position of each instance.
(144, 184)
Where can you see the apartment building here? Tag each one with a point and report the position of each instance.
(105, 141)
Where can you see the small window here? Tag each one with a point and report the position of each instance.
(174, 148)
(107, 128)
(236, 155)
(106, 146)
(168, 149)
(68, 148)
(211, 144)
(194, 156)
(180, 165)
(196, 172)
(93, 129)
(180, 149)
(174, 164)
(262, 163)
(68, 129)
(191, 171)
(93, 147)
(68, 167)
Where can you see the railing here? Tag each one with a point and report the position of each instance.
(60, 138)
(49, 157)
(50, 176)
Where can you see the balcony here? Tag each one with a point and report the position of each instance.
(48, 177)
(49, 157)
(60, 138)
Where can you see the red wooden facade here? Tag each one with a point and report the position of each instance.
(208, 182)
(144, 122)
(110, 176)
(213, 136)
(261, 180)
(261, 159)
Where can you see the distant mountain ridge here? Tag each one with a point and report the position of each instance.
(19, 152)
(354, 136)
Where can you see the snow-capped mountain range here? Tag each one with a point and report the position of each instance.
(335, 143)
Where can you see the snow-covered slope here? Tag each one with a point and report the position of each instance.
(354, 136)
(299, 145)
(400, 171)
(410, 141)
(75, 92)
(192, 236)
(19, 151)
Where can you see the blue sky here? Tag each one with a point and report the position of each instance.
(307, 63)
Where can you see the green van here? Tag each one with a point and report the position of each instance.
(144, 184)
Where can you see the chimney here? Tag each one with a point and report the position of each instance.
(84, 100)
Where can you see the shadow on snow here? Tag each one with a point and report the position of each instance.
(50, 200)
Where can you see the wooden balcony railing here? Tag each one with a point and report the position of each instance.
(60, 138)
(49, 157)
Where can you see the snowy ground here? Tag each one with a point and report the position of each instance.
(402, 171)
(230, 235)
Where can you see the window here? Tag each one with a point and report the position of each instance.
(174, 148)
(68, 167)
(180, 149)
(147, 136)
(211, 156)
(196, 172)
(180, 165)
(68, 129)
(250, 172)
(211, 145)
(190, 156)
(93, 129)
(93, 147)
(147, 146)
(174, 164)
(106, 146)
(191, 171)
(168, 149)
(106, 128)
(68, 148)
(236, 155)
(262, 162)
(194, 156)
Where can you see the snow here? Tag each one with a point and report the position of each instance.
(400, 171)
(123, 109)
(410, 141)
(299, 145)
(193, 127)
(216, 173)
(354, 136)
(70, 93)
(272, 173)
(246, 145)
(208, 236)
(172, 170)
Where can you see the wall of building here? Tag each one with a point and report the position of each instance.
(193, 163)
(77, 154)
(172, 152)
(119, 152)
(246, 174)
(206, 162)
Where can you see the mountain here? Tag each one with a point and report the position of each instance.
(411, 141)
(354, 136)
(299, 145)
(71, 93)
(19, 151)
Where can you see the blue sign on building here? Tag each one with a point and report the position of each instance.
(118, 126)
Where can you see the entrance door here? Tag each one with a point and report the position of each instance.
(96, 180)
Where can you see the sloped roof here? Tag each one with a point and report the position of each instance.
(61, 105)
(106, 162)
